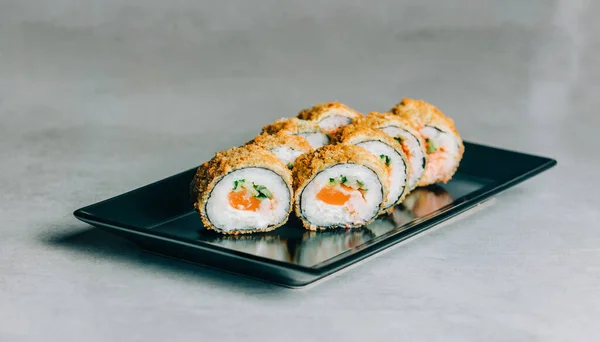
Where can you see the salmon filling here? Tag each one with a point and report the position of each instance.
(344, 195)
(332, 195)
(248, 197)
(340, 192)
(242, 200)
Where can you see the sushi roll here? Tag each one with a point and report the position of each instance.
(316, 136)
(389, 151)
(285, 146)
(444, 145)
(339, 186)
(243, 190)
(405, 132)
(330, 116)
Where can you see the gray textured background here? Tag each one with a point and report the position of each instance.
(101, 96)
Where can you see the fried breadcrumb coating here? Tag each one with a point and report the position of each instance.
(310, 164)
(225, 162)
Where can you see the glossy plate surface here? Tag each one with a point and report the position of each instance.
(159, 217)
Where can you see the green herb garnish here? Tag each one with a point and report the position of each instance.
(332, 180)
(262, 190)
(430, 146)
(344, 179)
(386, 159)
(238, 183)
(361, 185)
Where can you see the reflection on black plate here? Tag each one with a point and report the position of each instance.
(317, 247)
(306, 248)
(267, 245)
(421, 202)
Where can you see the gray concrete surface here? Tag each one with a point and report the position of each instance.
(98, 97)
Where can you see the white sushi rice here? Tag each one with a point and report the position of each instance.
(287, 155)
(397, 169)
(316, 139)
(325, 215)
(447, 160)
(416, 158)
(334, 120)
(223, 216)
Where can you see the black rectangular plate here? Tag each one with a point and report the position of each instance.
(159, 218)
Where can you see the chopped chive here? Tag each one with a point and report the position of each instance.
(386, 159)
(344, 179)
(237, 183)
(430, 146)
(262, 190)
(361, 185)
(331, 180)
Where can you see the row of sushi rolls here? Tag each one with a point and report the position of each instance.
(331, 165)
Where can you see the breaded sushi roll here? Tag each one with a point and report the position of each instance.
(389, 151)
(330, 116)
(445, 147)
(285, 146)
(405, 132)
(339, 186)
(309, 130)
(243, 190)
